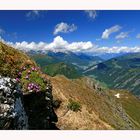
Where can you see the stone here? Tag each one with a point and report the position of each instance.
(48, 99)
(56, 103)
(12, 113)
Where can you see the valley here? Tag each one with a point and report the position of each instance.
(121, 72)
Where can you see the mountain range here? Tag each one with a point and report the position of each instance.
(69, 64)
(79, 102)
(121, 72)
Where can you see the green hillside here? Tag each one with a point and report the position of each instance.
(80, 61)
(61, 69)
(43, 59)
(69, 64)
(122, 72)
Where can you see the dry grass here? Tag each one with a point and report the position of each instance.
(98, 107)
(12, 60)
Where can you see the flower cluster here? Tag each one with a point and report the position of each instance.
(33, 87)
(34, 69)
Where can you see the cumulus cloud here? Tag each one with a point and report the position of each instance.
(109, 31)
(91, 13)
(57, 45)
(64, 28)
(60, 45)
(117, 49)
(122, 35)
(138, 36)
(34, 14)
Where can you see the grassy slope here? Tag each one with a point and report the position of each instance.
(99, 107)
(62, 69)
(122, 72)
(132, 106)
(12, 60)
(43, 59)
(79, 61)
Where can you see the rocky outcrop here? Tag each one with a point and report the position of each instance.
(39, 108)
(29, 111)
(12, 112)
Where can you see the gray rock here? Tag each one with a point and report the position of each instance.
(12, 113)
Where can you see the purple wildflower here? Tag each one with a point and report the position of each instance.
(17, 79)
(29, 71)
(33, 68)
(27, 77)
(36, 69)
(19, 73)
(38, 90)
(33, 87)
(29, 84)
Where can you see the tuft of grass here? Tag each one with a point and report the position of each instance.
(74, 106)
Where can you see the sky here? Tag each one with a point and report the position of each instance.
(87, 31)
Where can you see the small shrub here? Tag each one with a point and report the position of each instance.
(74, 106)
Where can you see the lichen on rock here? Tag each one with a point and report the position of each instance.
(12, 113)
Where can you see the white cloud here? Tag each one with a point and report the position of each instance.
(117, 49)
(91, 13)
(109, 31)
(138, 36)
(34, 14)
(64, 28)
(58, 45)
(122, 35)
(61, 45)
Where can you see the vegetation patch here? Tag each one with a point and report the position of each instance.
(11, 60)
(62, 69)
(30, 79)
(74, 106)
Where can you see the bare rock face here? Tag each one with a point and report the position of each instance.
(12, 112)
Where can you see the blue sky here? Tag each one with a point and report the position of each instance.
(101, 28)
